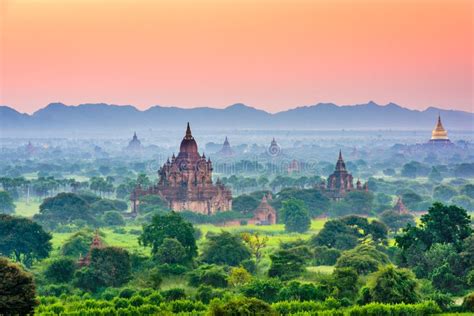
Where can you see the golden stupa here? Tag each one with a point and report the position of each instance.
(439, 133)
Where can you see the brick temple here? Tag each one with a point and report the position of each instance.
(185, 183)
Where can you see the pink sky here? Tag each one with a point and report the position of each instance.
(268, 54)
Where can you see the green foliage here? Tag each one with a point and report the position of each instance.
(244, 203)
(396, 221)
(211, 275)
(171, 251)
(6, 203)
(174, 294)
(152, 203)
(225, 248)
(393, 286)
(468, 302)
(113, 218)
(442, 224)
(295, 216)
(288, 263)
(206, 293)
(443, 193)
(296, 291)
(358, 202)
(364, 259)
(23, 239)
(60, 270)
(263, 289)
(77, 244)
(64, 208)
(240, 306)
(239, 276)
(17, 290)
(345, 282)
(170, 225)
(315, 201)
(324, 256)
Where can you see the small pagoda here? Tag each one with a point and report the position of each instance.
(264, 214)
(399, 207)
(226, 149)
(134, 144)
(439, 136)
(96, 244)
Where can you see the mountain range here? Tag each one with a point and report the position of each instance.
(107, 118)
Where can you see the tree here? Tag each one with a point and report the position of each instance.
(364, 259)
(345, 282)
(113, 218)
(240, 306)
(61, 270)
(64, 208)
(435, 175)
(336, 234)
(263, 289)
(244, 203)
(468, 190)
(211, 275)
(225, 248)
(396, 221)
(77, 244)
(295, 216)
(239, 276)
(360, 202)
(393, 286)
(442, 224)
(17, 290)
(171, 251)
(6, 203)
(170, 225)
(109, 266)
(444, 193)
(256, 243)
(23, 239)
(287, 263)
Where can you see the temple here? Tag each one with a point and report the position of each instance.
(185, 183)
(274, 149)
(439, 135)
(340, 182)
(96, 243)
(134, 144)
(399, 207)
(226, 149)
(264, 214)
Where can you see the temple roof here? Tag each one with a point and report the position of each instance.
(188, 144)
(439, 132)
(340, 164)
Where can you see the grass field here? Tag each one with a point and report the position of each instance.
(27, 209)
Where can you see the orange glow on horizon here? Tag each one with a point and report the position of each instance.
(269, 54)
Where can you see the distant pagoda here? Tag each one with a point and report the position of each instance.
(399, 207)
(185, 183)
(226, 149)
(439, 136)
(265, 214)
(274, 149)
(340, 182)
(96, 244)
(134, 144)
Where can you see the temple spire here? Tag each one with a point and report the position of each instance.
(189, 135)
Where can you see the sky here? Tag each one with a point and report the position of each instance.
(270, 54)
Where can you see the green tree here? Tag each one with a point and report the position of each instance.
(345, 281)
(171, 251)
(211, 275)
(288, 263)
(61, 270)
(295, 216)
(77, 244)
(23, 239)
(364, 259)
(442, 224)
(435, 175)
(444, 193)
(396, 221)
(240, 306)
(393, 286)
(17, 290)
(170, 225)
(244, 203)
(113, 218)
(6, 203)
(336, 234)
(360, 202)
(239, 276)
(225, 248)
(64, 208)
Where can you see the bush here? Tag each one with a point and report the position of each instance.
(324, 256)
(127, 293)
(172, 269)
(186, 306)
(208, 275)
(263, 289)
(174, 294)
(240, 306)
(113, 218)
(421, 309)
(206, 293)
(468, 303)
(61, 270)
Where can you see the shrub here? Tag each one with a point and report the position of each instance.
(209, 275)
(113, 218)
(137, 300)
(174, 294)
(240, 306)
(127, 293)
(468, 302)
(183, 306)
(263, 289)
(206, 293)
(324, 256)
(61, 270)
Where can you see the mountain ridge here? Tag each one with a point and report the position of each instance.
(97, 117)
